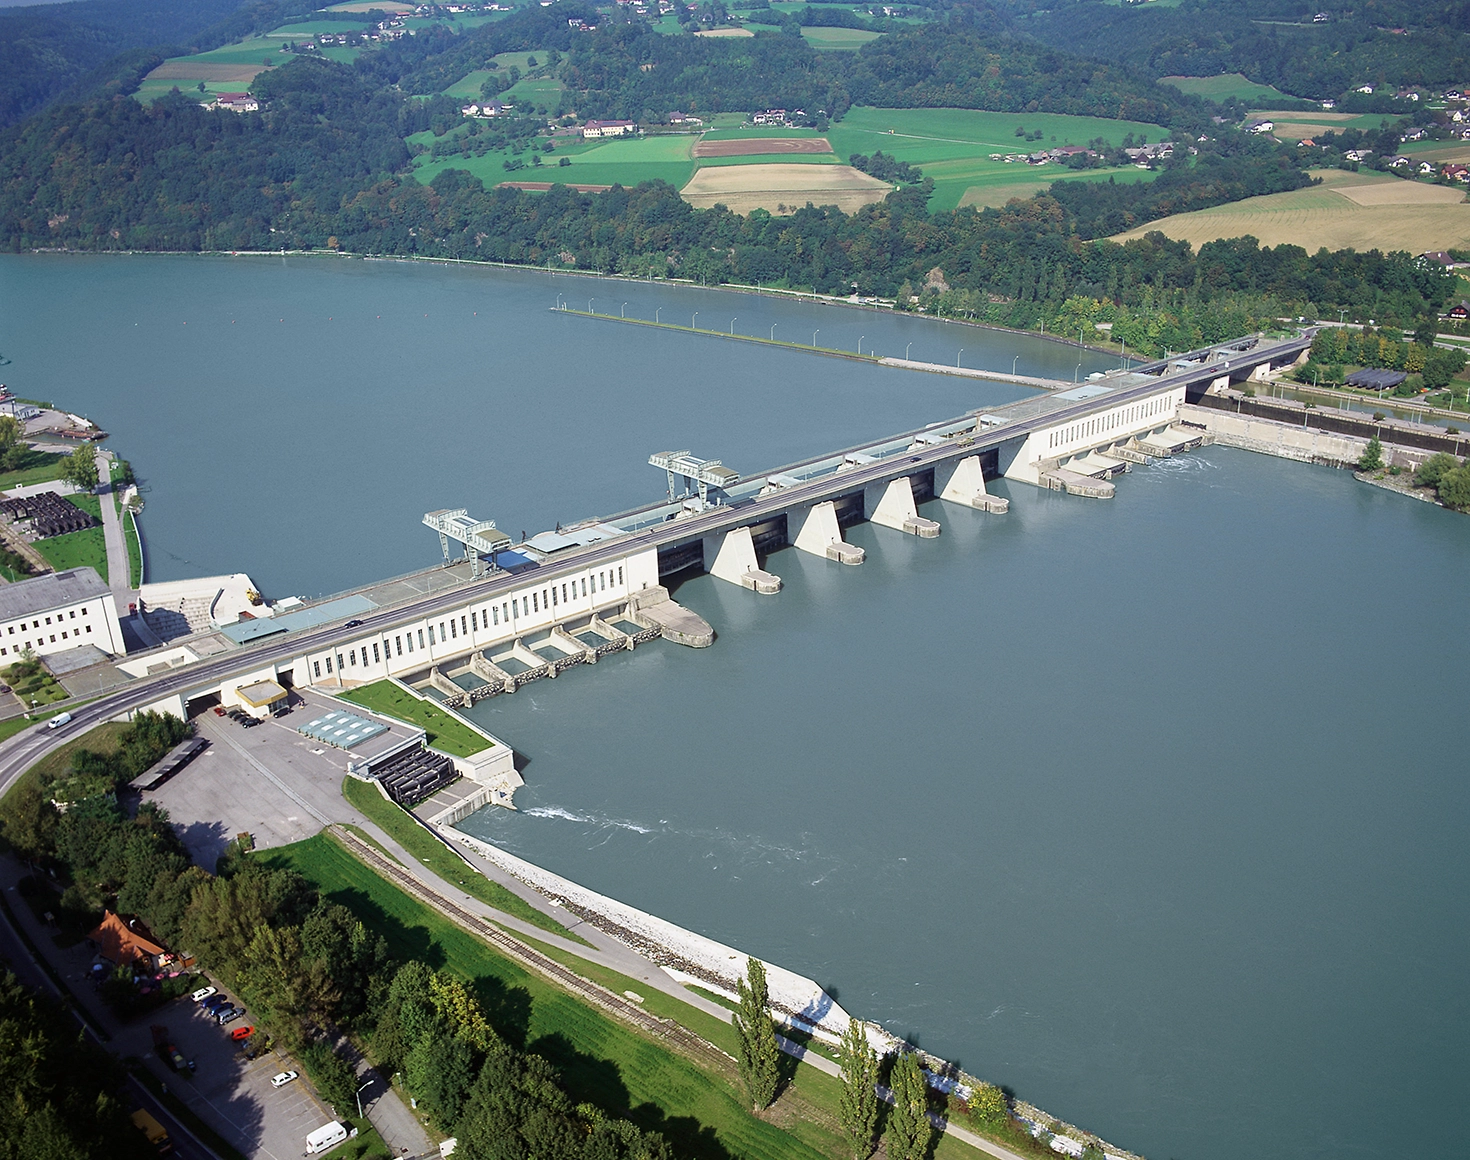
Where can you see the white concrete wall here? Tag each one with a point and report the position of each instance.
(1078, 436)
(92, 621)
(533, 606)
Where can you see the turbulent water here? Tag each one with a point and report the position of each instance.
(1148, 808)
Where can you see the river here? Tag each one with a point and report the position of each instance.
(1147, 808)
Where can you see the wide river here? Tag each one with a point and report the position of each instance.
(1149, 809)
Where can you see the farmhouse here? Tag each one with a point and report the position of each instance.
(235, 102)
(769, 117)
(608, 128)
(1460, 310)
(1259, 126)
(684, 119)
(487, 109)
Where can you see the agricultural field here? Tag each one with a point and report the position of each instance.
(783, 187)
(1224, 86)
(221, 70)
(837, 39)
(1293, 126)
(616, 162)
(1348, 210)
(953, 146)
(305, 29)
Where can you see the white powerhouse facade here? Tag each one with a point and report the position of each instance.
(57, 612)
(535, 605)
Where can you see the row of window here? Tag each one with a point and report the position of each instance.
(40, 640)
(452, 629)
(1107, 422)
(72, 615)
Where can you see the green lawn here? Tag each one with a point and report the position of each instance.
(837, 39)
(953, 146)
(77, 549)
(393, 820)
(32, 467)
(309, 28)
(467, 88)
(446, 732)
(600, 1060)
(539, 91)
(1224, 86)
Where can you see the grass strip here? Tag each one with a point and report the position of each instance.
(372, 841)
(446, 732)
(182, 1112)
(135, 549)
(600, 1059)
(433, 853)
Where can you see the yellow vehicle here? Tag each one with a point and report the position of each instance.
(155, 1132)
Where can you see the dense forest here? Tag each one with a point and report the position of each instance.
(1275, 42)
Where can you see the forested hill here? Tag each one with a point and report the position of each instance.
(47, 49)
(1274, 42)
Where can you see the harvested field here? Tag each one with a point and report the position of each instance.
(543, 186)
(1348, 210)
(719, 33)
(752, 146)
(783, 188)
(1297, 130)
(187, 69)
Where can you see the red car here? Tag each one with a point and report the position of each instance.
(242, 1032)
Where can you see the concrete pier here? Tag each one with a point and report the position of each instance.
(964, 482)
(892, 506)
(653, 607)
(820, 534)
(734, 560)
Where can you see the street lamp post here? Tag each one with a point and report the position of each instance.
(1077, 372)
(693, 320)
(860, 343)
(814, 338)
(733, 321)
(1014, 361)
(773, 331)
(656, 313)
(360, 1090)
(906, 350)
(623, 310)
(957, 357)
(590, 301)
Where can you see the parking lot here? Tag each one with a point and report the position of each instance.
(268, 781)
(230, 1093)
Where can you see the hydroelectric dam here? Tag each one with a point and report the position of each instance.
(508, 612)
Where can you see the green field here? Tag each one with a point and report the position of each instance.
(309, 28)
(600, 1060)
(542, 92)
(394, 821)
(837, 39)
(616, 162)
(1224, 86)
(953, 146)
(77, 549)
(446, 732)
(467, 88)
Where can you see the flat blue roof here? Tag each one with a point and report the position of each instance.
(344, 730)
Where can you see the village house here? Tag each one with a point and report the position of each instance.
(593, 129)
(684, 119)
(235, 102)
(1456, 173)
(1259, 126)
(486, 109)
(128, 944)
(769, 117)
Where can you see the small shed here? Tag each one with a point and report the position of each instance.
(261, 698)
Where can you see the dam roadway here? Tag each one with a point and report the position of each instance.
(1191, 373)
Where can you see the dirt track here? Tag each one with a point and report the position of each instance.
(753, 146)
(543, 186)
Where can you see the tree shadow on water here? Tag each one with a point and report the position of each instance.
(598, 1081)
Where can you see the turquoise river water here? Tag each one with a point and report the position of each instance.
(1149, 809)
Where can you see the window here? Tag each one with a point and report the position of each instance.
(339, 664)
(329, 664)
(462, 626)
(584, 586)
(3, 650)
(53, 638)
(89, 628)
(48, 620)
(398, 645)
(505, 612)
(409, 635)
(516, 607)
(421, 637)
(495, 612)
(72, 615)
(474, 622)
(375, 653)
(535, 603)
(316, 668)
(453, 630)
(442, 637)
(620, 573)
(553, 595)
(563, 593)
(63, 636)
(84, 612)
(352, 656)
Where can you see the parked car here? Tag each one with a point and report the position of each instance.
(242, 1032)
(215, 1004)
(230, 1016)
(282, 1078)
(203, 993)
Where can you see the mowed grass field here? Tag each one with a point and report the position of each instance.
(229, 69)
(599, 1059)
(953, 146)
(615, 162)
(1293, 126)
(837, 39)
(1224, 86)
(1348, 210)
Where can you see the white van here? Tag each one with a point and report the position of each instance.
(327, 1136)
(58, 721)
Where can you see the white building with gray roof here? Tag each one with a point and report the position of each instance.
(57, 612)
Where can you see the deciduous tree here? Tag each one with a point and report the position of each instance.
(909, 1130)
(1372, 457)
(858, 1107)
(757, 1037)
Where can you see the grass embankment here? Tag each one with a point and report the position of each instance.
(1223, 86)
(447, 733)
(87, 548)
(395, 822)
(600, 1060)
(135, 549)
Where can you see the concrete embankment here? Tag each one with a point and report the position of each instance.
(970, 373)
(1353, 424)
